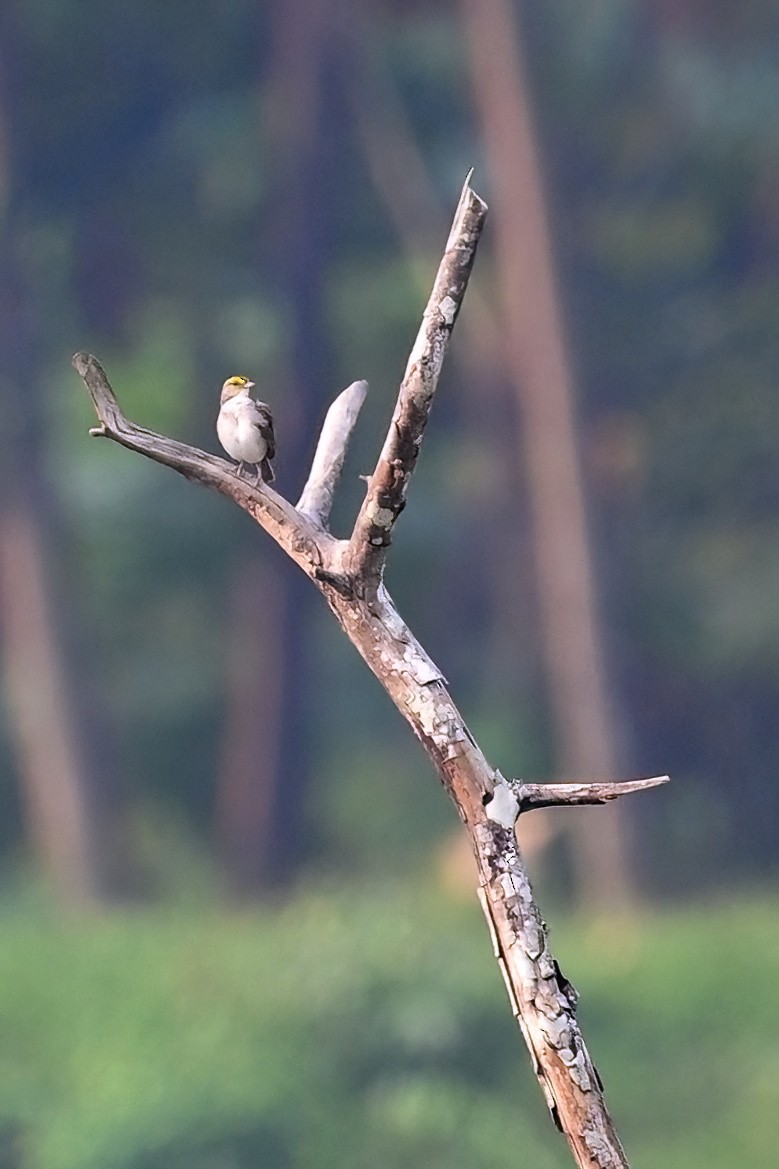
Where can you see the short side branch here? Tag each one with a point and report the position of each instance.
(552, 795)
(388, 484)
(317, 498)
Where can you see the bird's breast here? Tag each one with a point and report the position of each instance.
(239, 434)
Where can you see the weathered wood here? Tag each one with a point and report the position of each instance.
(387, 486)
(349, 575)
(316, 499)
(559, 795)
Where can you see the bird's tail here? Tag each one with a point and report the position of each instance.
(266, 471)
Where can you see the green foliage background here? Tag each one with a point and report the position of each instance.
(370, 1029)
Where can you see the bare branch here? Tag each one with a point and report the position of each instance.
(349, 575)
(308, 546)
(388, 484)
(317, 498)
(552, 795)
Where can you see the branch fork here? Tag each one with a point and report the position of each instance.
(350, 575)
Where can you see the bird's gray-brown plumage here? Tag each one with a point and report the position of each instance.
(245, 427)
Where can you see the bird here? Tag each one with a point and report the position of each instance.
(245, 427)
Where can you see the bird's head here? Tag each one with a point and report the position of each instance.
(235, 385)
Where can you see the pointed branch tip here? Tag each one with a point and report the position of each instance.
(388, 485)
(552, 795)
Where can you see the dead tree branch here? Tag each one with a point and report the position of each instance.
(386, 495)
(349, 574)
(317, 498)
(569, 795)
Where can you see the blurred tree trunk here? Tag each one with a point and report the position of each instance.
(261, 813)
(61, 804)
(249, 775)
(38, 701)
(251, 753)
(419, 217)
(70, 796)
(583, 716)
(306, 142)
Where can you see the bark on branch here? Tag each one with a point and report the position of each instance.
(349, 576)
(559, 795)
(388, 485)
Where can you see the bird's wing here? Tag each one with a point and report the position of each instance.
(264, 422)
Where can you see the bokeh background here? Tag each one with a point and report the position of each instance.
(238, 922)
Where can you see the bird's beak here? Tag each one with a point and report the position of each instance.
(249, 386)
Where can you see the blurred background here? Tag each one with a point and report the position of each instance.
(238, 920)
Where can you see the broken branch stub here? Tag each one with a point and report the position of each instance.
(316, 499)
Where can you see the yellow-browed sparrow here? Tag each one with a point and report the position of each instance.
(245, 427)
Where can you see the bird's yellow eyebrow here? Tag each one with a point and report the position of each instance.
(237, 381)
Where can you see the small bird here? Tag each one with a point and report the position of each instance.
(245, 427)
